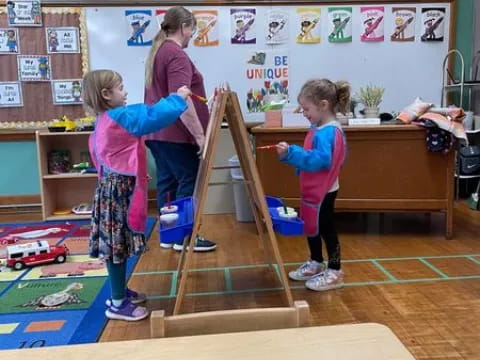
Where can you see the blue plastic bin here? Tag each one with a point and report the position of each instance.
(176, 234)
(281, 225)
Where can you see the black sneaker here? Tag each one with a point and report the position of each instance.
(201, 245)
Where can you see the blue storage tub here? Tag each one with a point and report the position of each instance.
(281, 225)
(177, 233)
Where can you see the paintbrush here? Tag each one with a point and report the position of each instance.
(267, 147)
(201, 98)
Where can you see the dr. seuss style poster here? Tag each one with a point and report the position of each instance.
(9, 41)
(276, 28)
(243, 30)
(139, 27)
(24, 13)
(11, 94)
(266, 73)
(433, 24)
(372, 23)
(340, 24)
(308, 25)
(403, 24)
(66, 92)
(207, 28)
(34, 68)
(62, 40)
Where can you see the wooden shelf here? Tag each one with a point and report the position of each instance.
(69, 176)
(65, 133)
(71, 216)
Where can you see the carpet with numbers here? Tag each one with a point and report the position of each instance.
(25, 321)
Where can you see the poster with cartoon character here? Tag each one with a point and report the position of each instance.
(207, 28)
(276, 27)
(340, 24)
(309, 28)
(34, 68)
(24, 13)
(433, 22)
(403, 24)
(243, 29)
(267, 77)
(139, 28)
(372, 20)
(9, 41)
(67, 92)
(11, 94)
(62, 40)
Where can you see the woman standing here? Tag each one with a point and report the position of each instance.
(176, 147)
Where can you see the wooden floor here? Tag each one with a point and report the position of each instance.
(400, 271)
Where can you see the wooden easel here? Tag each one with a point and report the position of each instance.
(226, 104)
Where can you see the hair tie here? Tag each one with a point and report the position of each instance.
(163, 26)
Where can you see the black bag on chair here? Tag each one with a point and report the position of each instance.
(469, 160)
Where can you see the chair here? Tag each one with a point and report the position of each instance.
(473, 137)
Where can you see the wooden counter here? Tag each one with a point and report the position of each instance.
(388, 168)
(357, 341)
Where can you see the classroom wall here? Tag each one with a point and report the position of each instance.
(19, 174)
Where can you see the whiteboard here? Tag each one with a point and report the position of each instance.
(405, 69)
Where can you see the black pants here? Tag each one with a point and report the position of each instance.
(327, 232)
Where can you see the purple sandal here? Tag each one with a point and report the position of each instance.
(133, 296)
(126, 311)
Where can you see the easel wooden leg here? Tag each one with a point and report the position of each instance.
(183, 273)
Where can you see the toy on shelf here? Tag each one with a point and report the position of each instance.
(82, 209)
(35, 253)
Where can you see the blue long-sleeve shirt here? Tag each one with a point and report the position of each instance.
(141, 119)
(319, 157)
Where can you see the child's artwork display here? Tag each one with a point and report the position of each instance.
(404, 24)
(34, 68)
(9, 41)
(67, 92)
(24, 13)
(433, 21)
(276, 27)
(207, 28)
(62, 40)
(139, 29)
(243, 29)
(267, 77)
(308, 25)
(11, 94)
(340, 24)
(372, 23)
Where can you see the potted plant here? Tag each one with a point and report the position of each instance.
(371, 96)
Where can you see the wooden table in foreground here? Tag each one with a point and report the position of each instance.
(388, 168)
(357, 341)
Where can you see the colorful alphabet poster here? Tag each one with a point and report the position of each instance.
(372, 23)
(62, 40)
(433, 22)
(66, 92)
(11, 94)
(404, 24)
(24, 13)
(243, 30)
(9, 41)
(308, 25)
(207, 28)
(340, 24)
(139, 29)
(276, 29)
(266, 73)
(34, 68)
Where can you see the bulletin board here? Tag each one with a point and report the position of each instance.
(406, 69)
(38, 104)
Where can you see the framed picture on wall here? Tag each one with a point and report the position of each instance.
(11, 94)
(67, 92)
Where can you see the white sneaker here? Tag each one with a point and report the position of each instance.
(166, 245)
(328, 280)
(307, 270)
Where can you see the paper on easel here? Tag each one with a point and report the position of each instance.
(363, 121)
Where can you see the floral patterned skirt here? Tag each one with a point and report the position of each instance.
(110, 237)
